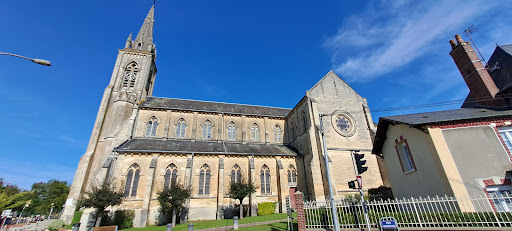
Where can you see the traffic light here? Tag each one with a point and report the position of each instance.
(352, 184)
(360, 163)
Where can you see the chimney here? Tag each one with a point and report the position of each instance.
(480, 83)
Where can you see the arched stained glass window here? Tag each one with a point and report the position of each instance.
(171, 176)
(207, 130)
(236, 174)
(204, 180)
(292, 174)
(151, 127)
(132, 181)
(277, 134)
(265, 179)
(231, 131)
(255, 132)
(130, 75)
(180, 128)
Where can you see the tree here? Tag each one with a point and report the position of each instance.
(54, 191)
(239, 189)
(12, 197)
(173, 199)
(101, 197)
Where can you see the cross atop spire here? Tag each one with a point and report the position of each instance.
(144, 40)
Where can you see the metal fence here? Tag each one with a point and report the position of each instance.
(476, 211)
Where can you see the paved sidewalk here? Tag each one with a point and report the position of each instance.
(245, 225)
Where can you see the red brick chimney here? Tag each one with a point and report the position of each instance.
(481, 85)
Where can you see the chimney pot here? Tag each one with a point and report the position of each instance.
(452, 42)
(458, 38)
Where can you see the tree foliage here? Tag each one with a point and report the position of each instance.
(101, 197)
(239, 190)
(12, 197)
(173, 199)
(44, 194)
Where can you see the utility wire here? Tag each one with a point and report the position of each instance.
(438, 104)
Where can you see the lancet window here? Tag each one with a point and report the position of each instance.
(255, 132)
(132, 181)
(277, 134)
(171, 176)
(207, 130)
(231, 131)
(292, 174)
(236, 174)
(180, 128)
(151, 127)
(265, 179)
(204, 180)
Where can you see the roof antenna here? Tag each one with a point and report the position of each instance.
(468, 32)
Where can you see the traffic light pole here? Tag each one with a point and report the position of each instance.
(360, 188)
(333, 205)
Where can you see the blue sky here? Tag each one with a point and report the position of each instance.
(392, 52)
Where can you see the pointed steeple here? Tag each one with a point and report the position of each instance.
(128, 41)
(144, 40)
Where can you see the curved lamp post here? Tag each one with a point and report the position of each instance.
(38, 61)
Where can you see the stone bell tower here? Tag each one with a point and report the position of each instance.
(131, 82)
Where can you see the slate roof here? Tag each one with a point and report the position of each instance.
(206, 106)
(186, 146)
(442, 116)
(420, 119)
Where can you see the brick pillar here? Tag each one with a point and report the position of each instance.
(301, 216)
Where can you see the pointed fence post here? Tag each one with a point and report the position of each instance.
(416, 211)
(301, 216)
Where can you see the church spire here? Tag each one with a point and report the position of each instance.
(144, 40)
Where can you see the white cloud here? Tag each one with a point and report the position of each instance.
(384, 39)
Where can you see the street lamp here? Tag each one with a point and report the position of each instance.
(38, 61)
(19, 217)
(51, 210)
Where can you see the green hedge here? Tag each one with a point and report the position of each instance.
(266, 208)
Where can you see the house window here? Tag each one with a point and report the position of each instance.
(265, 180)
(180, 128)
(231, 131)
(236, 174)
(130, 75)
(207, 130)
(277, 134)
(506, 134)
(151, 127)
(255, 132)
(171, 175)
(292, 174)
(501, 196)
(204, 180)
(132, 181)
(405, 157)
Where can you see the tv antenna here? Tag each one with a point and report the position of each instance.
(468, 32)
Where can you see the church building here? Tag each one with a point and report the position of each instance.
(144, 143)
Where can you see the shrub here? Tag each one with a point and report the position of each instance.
(266, 208)
(124, 219)
(56, 225)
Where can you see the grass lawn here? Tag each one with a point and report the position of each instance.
(217, 223)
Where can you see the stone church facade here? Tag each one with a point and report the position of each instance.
(145, 143)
